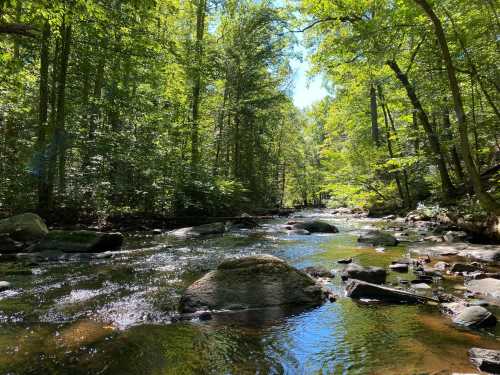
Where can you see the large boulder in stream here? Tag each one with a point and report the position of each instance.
(25, 227)
(79, 241)
(252, 282)
(375, 275)
(198, 231)
(378, 238)
(486, 360)
(362, 290)
(316, 226)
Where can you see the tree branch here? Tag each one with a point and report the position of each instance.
(18, 29)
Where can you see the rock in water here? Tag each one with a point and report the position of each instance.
(200, 230)
(8, 245)
(318, 271)
(25, 227)
(316, 226)
(252, 282)
(486, 287)
(359, 290)
(4, 285)
(485, 360)
(375, 275)
(80, 241)
(475, 316)
(378, 238)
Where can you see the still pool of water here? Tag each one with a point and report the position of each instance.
(112, 316)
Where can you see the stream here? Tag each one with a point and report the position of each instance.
(112, 315)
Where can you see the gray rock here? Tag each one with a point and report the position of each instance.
(80, 241)
(474, 316)
(374, 275)
(362, 290)
(378, 238)
(486, 287)
(316, 226)
(454, 236)
(24, 227)
(4, 285)
(252, 282)
(485, 360)
(441, 266)
(200, 230)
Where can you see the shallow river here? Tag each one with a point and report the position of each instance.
(112, 315)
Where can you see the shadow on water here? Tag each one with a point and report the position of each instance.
(112, 316)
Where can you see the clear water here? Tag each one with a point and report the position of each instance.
(112, 316)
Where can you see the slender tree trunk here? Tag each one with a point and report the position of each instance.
(487, 201)
(19, 9)
(374, 116)
(61, 108)
(389, 145)
(43, 119)
(200, 30)
(454, 154)
(446, 184)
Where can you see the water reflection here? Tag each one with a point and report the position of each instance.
(112, 316)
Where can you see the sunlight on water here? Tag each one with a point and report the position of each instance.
(112, 316)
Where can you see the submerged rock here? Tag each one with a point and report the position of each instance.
(25, 227)
(378, 238)
(374, 275)
(252, 282)
(316, 226)
(362, 290)
(485, 360)
(344, 261)
(80, 241)
(200, 230)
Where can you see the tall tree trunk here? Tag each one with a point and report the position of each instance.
(487, 201)
(61, 108)
(454, 154)
(43, 119)
(389, 146)
(200, 30)
(374, 116)
(446, 184)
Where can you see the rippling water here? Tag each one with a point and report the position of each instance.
(112, 315)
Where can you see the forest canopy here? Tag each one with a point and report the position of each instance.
(184, 107)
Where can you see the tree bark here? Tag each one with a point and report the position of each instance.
(446, 184)
(374, 116)
(487, 201)
(43, 119)
(200, 30)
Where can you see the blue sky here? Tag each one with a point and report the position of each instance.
(308, 90)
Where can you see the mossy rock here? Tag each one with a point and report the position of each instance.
(25, 227)
(252, 282)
